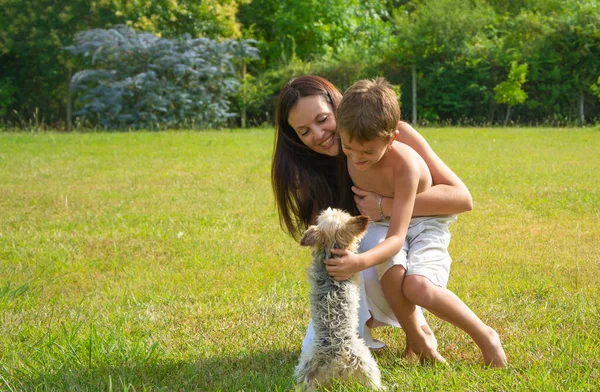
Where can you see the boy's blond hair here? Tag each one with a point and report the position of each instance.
(369, 110)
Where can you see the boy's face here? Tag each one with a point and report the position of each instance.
(364, 155)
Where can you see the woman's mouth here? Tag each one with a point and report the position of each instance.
(328, 142)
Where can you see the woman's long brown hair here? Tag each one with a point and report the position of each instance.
(304, 181)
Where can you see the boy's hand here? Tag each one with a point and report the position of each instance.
(345, 266)
(367, 203)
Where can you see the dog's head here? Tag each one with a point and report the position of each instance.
(335, 229)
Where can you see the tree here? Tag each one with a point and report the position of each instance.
(32, 34)
(312, 29)
(173, 18)
(432, 45)
(560, 41)
(596, 88)
(141, 80)
(34, 69)
(510, 92)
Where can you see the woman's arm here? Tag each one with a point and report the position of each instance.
(449, 195)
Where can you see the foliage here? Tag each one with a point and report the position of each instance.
(436, 36)
(596, 88)
(510, 91)
(7, 95)
(314, 28)
(174, 18)
(32, 34)
(461, 51)
(140, 80)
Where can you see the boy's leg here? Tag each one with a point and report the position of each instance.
(423, 346)
(446, 305)
(409, 353)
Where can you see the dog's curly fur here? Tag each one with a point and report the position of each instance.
(337, 353)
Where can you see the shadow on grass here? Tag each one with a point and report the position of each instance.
(247, 371)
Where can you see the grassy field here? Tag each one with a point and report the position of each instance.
(155, 261)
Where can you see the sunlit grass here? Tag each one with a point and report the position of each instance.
(155, 261)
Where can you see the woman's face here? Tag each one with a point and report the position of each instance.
(313, 120)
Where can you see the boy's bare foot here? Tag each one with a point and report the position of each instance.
(493, 353)
(426, 352)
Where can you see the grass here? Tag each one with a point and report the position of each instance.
(155, 262)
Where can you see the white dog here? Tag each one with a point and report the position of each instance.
(336, 353)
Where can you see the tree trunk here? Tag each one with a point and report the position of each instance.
(69, 108)
(243, 114)
(581, 109)
(414, 94)
(507, 116)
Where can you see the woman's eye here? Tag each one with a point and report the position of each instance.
(304, 132)
(322, 120)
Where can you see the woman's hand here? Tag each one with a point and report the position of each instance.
(345, 266)
(367, 203)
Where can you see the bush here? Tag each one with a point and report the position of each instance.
(139, 80)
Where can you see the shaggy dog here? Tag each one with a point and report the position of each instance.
(336, 352)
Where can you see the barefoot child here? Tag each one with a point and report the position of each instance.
(412, 263)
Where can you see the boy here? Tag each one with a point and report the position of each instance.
(415, 271)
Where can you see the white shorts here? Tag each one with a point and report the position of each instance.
(425, 249)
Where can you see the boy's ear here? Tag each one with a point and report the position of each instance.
(310, 236)
(394, 136)
(357, 224)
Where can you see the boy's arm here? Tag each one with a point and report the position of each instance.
(406, 181)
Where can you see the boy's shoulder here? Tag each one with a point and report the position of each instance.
(401, 152)
(405, 160)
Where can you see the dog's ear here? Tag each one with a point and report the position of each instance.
(357, 224)
(310, 237)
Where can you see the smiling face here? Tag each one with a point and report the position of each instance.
(366, 154)
(313, 120)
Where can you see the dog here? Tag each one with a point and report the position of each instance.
(337, 353)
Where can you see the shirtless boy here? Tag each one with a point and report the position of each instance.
(412, 263)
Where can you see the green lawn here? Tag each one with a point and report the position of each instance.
(155, 261)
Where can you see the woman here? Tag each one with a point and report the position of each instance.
(306, 179)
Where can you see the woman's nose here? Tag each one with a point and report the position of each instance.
(318, 133)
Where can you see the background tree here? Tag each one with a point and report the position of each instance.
(432, 53)
(140, 80)
(173, 18)
(453, 52)
(33, 67)
(510, 92)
